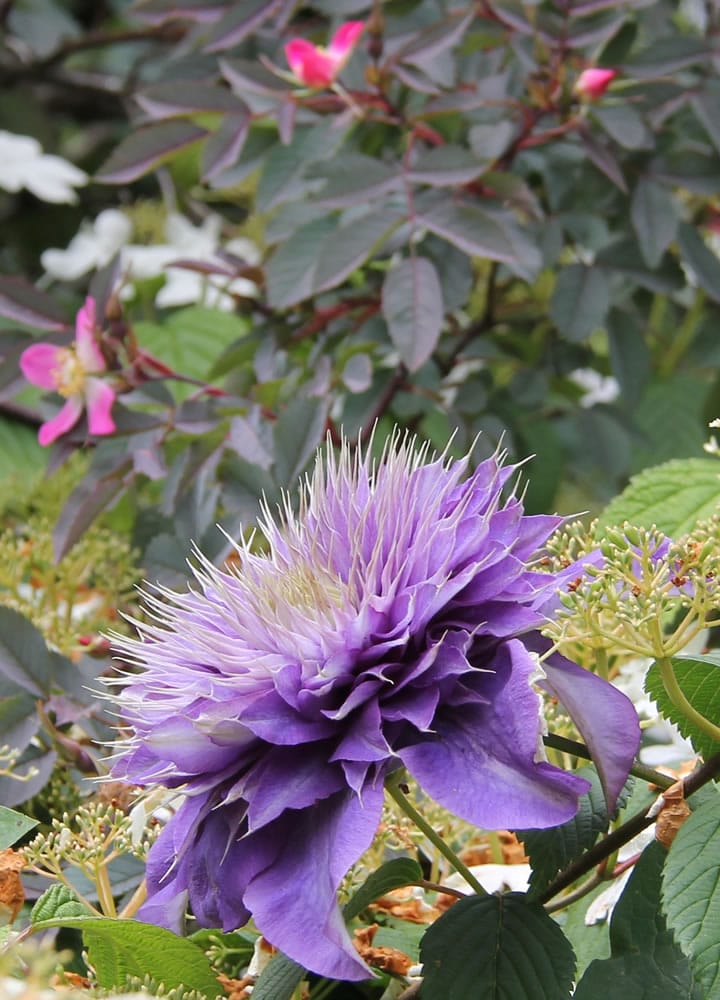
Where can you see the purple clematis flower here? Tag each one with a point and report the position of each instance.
(389, 624)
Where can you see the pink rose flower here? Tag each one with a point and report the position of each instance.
(316, 66)
(71, 372)
(592, 83)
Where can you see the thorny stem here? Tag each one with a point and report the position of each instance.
(678, 699)
(639, 770)
(625, 833)
(392, 787)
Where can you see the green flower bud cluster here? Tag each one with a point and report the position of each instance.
(636, 592)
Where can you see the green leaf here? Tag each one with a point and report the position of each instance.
(279, 979)
(355, 179)
(412, 305)
(706, 108)
(699, 680)
(445, 166)
(493, 947)
(146, 148)
(669, 417)
(350, 246)
(623, 124)
(488, 142)
(296, 436)
(673, 496)
(191, 340)
(470, 228)
(118, 949)
(638, 925)
(392, 875)
(628, 976)
(26, 661)
(552, 850)
(703, 263)
(13, 826)
(291, 269)
(580, 300)
(58, 902)
(654, 219)
(23, 303)
(667, 55)
(20, 453)
(691, 893)
(161, 100)
(282, 168)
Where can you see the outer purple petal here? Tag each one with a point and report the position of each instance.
(62, 422)
(294, 901)
(39, 364)
(605, 717)
(481, 761)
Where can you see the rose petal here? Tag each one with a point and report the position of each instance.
(62, 422)
(100, 398)
(39, 364)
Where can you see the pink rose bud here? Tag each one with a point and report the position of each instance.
(592, 83)
(316, 66)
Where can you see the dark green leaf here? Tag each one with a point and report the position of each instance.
(412, 305)
(699, 680)
(669, 417)
(478, 232)
(445, 166)
(92, 496)
(580, 300)
(691, 893)
(241, 20)
(654, 219)
(162, 100)
(146, 148)
(393, 874)
(224, 146)
(488, 142)
(636, 976)
(297, 434)
(552, 850)
(703, 263)
(673, 496)
(280, 179)
(705, 106)
(279, 979)
(25, 659)
(493, 947)
(623, 124)
(350, 246)
(667, 55)
(13, 826)
(22, 302)
(355, 179)
(291, 269)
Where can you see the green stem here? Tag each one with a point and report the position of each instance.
(676, 696)
(392, 787)
(641, 771)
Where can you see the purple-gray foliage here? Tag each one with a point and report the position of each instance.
(388, 624)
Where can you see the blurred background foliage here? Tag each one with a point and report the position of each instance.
(455, 240)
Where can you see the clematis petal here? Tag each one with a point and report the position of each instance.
(62, 422)
(100, 398)
(39, 364)
(480, 759)
(605, 717)
(88, 350)
(311, 65)
(294, 900)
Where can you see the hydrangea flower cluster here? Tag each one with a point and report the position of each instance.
(393, 621)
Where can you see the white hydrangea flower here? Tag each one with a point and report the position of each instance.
(598, 388)
(24, 165)
(97, 243)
